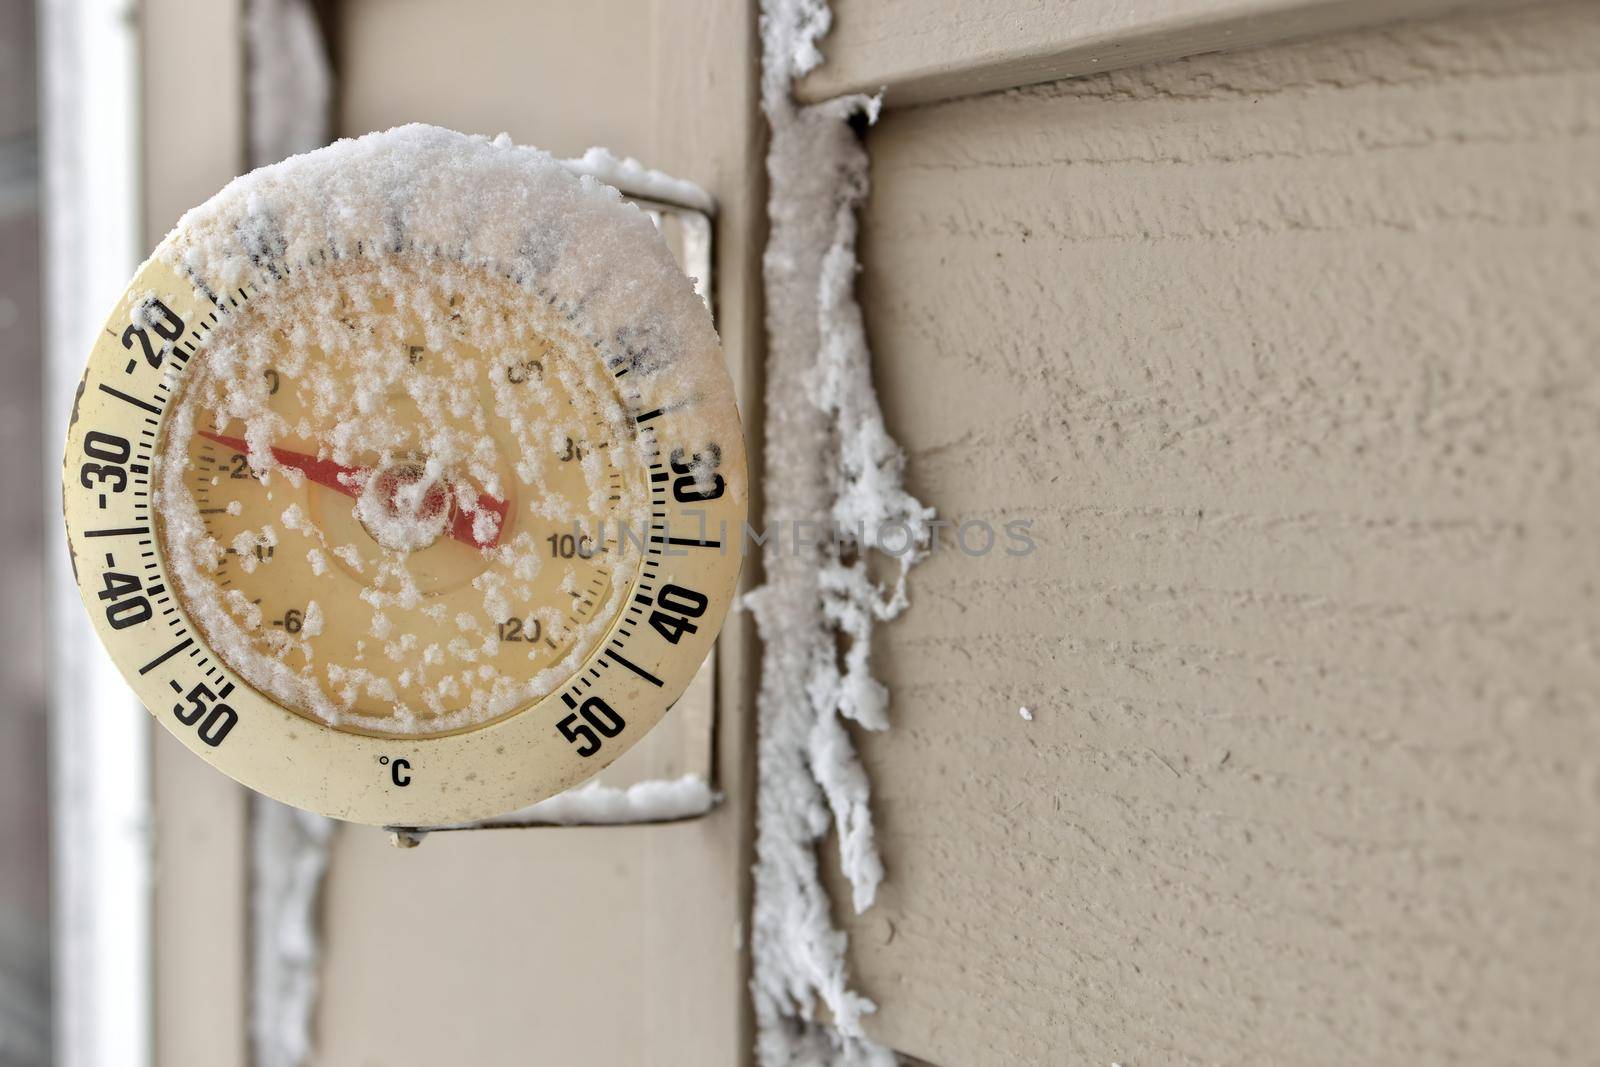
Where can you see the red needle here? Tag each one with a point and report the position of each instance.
(348, 480)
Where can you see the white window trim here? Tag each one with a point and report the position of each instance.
(100, 741)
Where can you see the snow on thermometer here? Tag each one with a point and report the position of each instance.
(405, 482)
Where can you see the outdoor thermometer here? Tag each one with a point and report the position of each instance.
(405, 482)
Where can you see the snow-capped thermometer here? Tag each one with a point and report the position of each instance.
(405, 482)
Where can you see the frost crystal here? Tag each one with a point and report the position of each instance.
(831, 458)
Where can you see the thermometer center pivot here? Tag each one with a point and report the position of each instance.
(403, 508)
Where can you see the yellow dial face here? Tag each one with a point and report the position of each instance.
(439, 517)
(402, 535)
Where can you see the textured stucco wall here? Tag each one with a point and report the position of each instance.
(1293, 356)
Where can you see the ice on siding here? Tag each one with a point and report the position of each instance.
(289, 855)
(605, 291)
(635, 179)
(291, 83)
(829, 457)
(595, 804)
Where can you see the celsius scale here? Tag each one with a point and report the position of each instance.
(405, 482)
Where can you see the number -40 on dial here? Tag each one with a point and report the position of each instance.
(414, 451)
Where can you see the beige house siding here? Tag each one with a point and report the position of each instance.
(1293, 358)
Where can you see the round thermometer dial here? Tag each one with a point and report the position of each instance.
(405, 481)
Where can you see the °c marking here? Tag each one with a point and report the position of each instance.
(398, 770)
